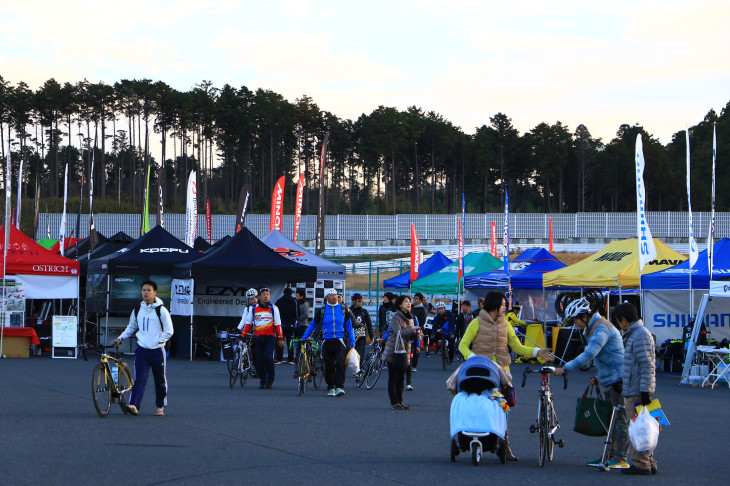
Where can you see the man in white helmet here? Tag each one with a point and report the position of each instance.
(606, 349)
(252, 295)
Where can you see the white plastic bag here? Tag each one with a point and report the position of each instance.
(644, 431)
(353, 361)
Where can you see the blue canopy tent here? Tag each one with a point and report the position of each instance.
(677, 277)
(526, 272)
(435, 262)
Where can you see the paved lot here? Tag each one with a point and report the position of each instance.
(50, 433)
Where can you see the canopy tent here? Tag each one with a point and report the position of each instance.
(677, 277)
(154, 252)
(525, 272)
(44, 274)
(444, 281)
(435, 262)
(47, 242)
(200, 244)
(217, 244)
(67, 243)
(616, 265)
(82, 247)
(112, 245)
(222, 277)
(326, 270)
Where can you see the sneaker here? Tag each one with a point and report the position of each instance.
(268, 386)
(409, 388)
(636, 471)
(292, 362)
(428, 355)
(339, 392)
(331, 393)
(414, 370)
(618, 464)
(594, 462)
(277, 362)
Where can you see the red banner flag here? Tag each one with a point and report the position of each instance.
(550, 221)
(493, 249)
(415, 253)
(277, 205)
(298, 207)
(207, 219)
(461, 254)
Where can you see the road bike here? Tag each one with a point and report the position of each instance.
(111, 382)
(372, 366)
(547, 421)
(443, 344)
(310, 368)
(241, 366)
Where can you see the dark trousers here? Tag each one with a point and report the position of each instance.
(360, 347)
(333, 352)
(450, 339)
(395, 384)
(288, 332)
(414, 364)
(263, 348)
(144, 361)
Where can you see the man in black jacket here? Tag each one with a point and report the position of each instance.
(385, 307)
(288, 311)
(361, 325)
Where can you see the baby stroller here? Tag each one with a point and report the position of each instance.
(478, 422)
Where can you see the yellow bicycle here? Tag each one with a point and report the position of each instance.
(112, 382)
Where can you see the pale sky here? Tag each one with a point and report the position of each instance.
(658, 63)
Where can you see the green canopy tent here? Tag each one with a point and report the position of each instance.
(444, 281)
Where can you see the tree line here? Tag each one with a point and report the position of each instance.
(386, 162)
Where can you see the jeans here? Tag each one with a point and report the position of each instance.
(264, 354)
(144, 361)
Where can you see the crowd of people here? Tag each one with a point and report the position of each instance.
(622, 353)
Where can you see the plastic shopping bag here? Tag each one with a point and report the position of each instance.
(353, 361)
(644, 431)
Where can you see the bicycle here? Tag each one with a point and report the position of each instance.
(111, 381)
(241, 366)
(310, 368)
(443, 348)
(372, 366)
(547, 421)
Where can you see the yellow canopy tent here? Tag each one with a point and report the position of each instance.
(617, 265)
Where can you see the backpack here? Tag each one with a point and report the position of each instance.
(158, 310)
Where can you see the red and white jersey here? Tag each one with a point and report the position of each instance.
(265, 321)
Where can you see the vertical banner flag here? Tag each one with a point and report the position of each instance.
(550, 222)
(693, 252)
(493, 248)
(35, 205)
(145, 227)
(320, 211)
(20, 187)
(647, 251)
(277, 205)
(461, 257)
(160, 206)
(48, 223)
(207, 220)
(93, 237)
(711, 235)
(242, 204)
(463, 222)
(298, 207)
(62, 229)
(415, 253)
(505, 236)
(191, 212)
(78, 214)
(8, 178)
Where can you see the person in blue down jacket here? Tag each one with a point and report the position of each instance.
(639, 377)
(606, 350)
(335, 321)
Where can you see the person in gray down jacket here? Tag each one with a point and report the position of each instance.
(606, 350)
(639, 377)
(401, 324)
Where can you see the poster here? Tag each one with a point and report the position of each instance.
(64, 331)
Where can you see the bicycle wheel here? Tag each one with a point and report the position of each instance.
(101, 391)
(318, 370)
(302, 373)
(364, 370)
(233, 375)
(444, 356)
(124, 386)
(251, 369)
(374, 372)
(543, 431)
(552, 425)
(243, 368)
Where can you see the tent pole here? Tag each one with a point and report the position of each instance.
(191, 336)
(106, 312)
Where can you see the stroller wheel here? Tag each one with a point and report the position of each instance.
(454, 450)
(476, 453)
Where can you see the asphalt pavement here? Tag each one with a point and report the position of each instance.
(211, 434)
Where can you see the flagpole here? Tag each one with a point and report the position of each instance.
(6, 229)
(692, 243)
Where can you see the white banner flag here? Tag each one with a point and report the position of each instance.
(8, 177)
(693, 251)
(20, 187)
(191, 222)
(647, 251)
(62, 230)
(181, 300)
(711, 234)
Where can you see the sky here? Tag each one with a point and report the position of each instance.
(659, 63)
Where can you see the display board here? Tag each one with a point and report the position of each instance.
(64, 337)
(314, 292)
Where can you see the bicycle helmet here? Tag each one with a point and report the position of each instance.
(577, 307)
(251, 293)
(440, 305)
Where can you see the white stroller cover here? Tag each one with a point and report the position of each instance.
(477, 413)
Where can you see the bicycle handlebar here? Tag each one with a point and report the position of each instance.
(546, 370)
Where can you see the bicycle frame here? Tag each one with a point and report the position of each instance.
(547, 421)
